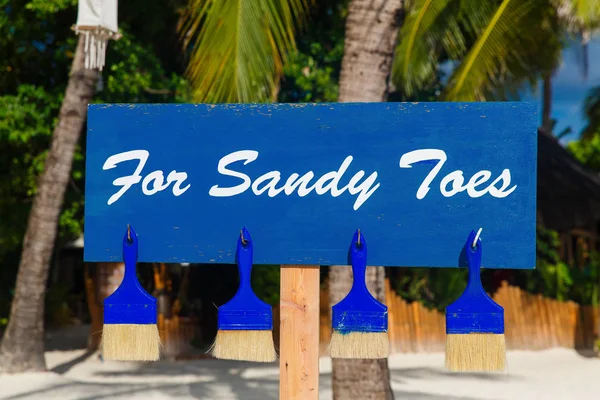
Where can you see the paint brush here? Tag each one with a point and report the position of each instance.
(245, 322)
(360, 322)
(130, 332)
(475, 323)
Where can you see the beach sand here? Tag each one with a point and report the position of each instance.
(76, 374)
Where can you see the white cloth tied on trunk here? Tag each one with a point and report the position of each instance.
(97, 21)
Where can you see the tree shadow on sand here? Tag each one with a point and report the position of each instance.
(213, 380)
(216, 380)
(427, 373)
(66, 366)
(399, 376)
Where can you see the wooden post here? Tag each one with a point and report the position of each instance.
(299, 333)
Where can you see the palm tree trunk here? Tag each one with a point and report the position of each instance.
(106, 279)
(22, 347)
(371, 34)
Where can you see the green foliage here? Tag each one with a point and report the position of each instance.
(495, 47)
(591, 109)
(44, 8)
(585, 288)
(552, 277)
(587, 151)
(265, 282)
(313, 82)
(26, 120)
(36, 52)
(433, 287)
(237, 48)
(556, 279)
(582, 16)
(504, 55)
(135, 75)
(417, 53)
(312, 72)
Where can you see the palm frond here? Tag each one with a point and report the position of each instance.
(431, 29)
(519, 41)
(414, 61)
(237, 47)
(580, 19)
(585, 14)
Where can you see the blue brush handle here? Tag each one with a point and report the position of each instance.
(130, 303)
(359, 311)
(474, 311)
(244, 254)
(358, 259)
(245, 311)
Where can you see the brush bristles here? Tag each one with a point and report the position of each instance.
(359, 345)
(130, 342)
(257, 346)
(475, 352)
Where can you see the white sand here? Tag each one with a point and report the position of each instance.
(546, 375)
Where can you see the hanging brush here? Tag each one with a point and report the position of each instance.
(475, 323)
(130, 332)
(360, 322)
(245, 322)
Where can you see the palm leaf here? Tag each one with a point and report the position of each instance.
(237, 47)
(519, 42)
(585, 14)
(414, 61)
(579, 18)
(433, 28)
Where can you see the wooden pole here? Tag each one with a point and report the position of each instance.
(299, 333)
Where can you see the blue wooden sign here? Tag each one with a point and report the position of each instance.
(415, 178)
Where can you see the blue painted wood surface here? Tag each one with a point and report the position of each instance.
(415, 211)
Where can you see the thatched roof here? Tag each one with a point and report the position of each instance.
(568, 194)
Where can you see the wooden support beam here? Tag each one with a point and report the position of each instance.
(299, 333)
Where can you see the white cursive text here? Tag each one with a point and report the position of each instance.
(455, 179)
(268, 182)
(153, 183)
